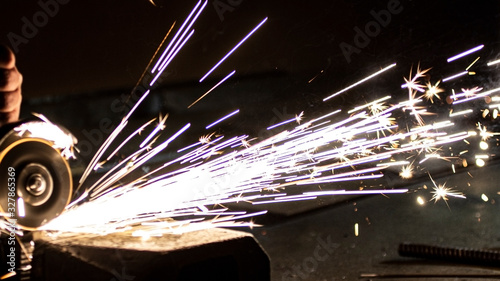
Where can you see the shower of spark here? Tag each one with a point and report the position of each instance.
(216, 172)
(221, 171)
(191, 191)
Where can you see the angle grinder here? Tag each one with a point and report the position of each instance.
(35, 176)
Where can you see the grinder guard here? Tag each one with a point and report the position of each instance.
(36, 152)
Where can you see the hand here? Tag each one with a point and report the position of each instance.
(10, 87)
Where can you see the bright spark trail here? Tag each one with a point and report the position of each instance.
(360, 81)
(455, 76)
(222, 119)
(493, 62)
(213, 88)
(463, 54)
(233, 49)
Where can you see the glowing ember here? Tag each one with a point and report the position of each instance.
(441, 192)
(406, 172)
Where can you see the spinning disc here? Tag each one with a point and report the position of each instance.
(31, 169)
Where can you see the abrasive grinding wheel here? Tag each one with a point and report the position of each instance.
(35, 179)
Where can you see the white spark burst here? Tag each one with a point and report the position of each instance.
(406, 172)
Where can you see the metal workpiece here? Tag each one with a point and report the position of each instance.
(212, 254)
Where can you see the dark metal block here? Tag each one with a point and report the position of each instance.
(214, 254)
